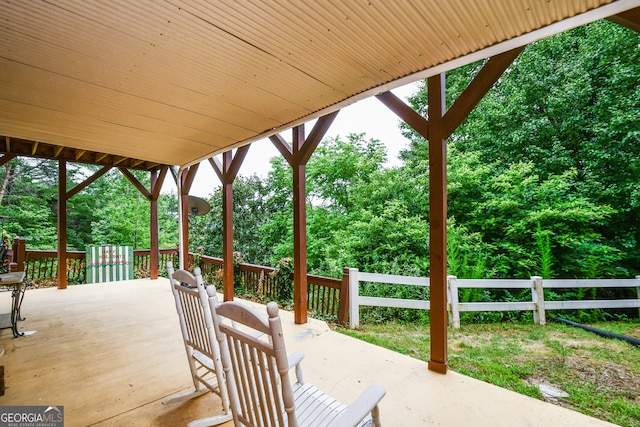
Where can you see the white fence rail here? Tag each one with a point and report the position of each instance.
(537, 305)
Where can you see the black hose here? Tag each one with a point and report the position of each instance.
(602, 333)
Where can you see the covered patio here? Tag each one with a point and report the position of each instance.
(110, 352)
(164, 86)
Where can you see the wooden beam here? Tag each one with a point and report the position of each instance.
(157, 186)
(118, 159)
(438, 360)
(188, 176)
(238, 158)
(87, 181)
(405, 112)
(174, 174)
(100, 157)
(317, 133)
(6, 158)
(479, 86)
(217, 168)
(141, 188)
(629, 19)
(283, 147)
(43, 150)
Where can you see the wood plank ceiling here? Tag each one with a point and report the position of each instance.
(154, 83)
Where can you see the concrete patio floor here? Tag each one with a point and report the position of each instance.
(109, 353)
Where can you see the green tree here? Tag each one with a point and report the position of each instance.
(338, 165)
(564, 117)
(168, 221)
(124, 220)
(250, 213)
(29, 201)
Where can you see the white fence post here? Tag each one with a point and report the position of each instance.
(537, 296)
(452, 294)
(354, 303)
(638, 290)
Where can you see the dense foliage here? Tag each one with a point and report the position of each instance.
(553, 148)
(110, 210)
(543, 180)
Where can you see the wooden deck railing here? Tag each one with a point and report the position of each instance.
(41, 267)
(142, 261)
(327, 296)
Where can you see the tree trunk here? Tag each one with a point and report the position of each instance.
(5, 181)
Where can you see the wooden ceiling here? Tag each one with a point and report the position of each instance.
(147, 83)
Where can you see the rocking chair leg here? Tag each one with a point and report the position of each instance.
(211, 421)
(183, 396)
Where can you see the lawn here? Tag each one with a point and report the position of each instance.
(577, 369)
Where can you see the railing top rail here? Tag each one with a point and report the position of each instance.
(255, 268)
(496, 283)
(139, 252)
(591, 283)
(37, 253)
(211, 260)
(393, 279)
(324, 281)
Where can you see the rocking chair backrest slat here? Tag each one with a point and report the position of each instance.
(257, 376)
(195, 316)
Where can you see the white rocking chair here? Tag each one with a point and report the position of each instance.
(200, 344)
(257, 373)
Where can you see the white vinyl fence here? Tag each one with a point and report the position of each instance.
(537, 305)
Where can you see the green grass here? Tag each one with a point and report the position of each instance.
(600, 375)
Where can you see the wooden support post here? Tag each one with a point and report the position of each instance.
(62, 224)
(154, 246)
(227, 172)
(298, 155)
(227, 230)
(343, 307)
(19, 250)
(438, 360)
(152, 197)
(300, 297)
(436, 130)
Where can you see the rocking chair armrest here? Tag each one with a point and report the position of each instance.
(361, 407)
(294, 360)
